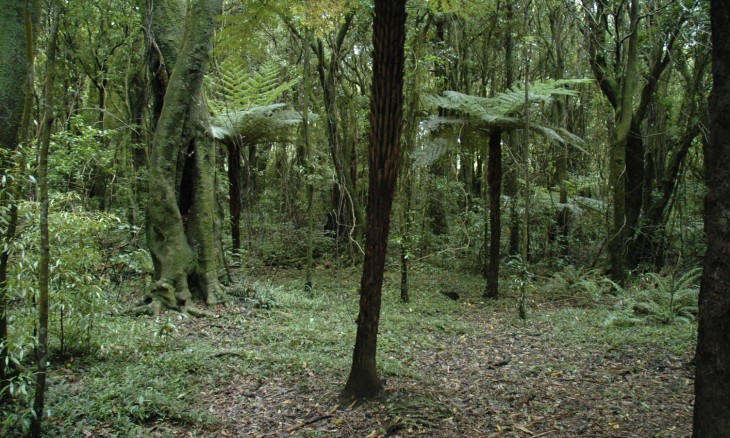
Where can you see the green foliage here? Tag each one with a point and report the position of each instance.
(79, 156)
(286, 246)
(257, 294)
(579, 286)
(244, 104)
(159, 385)
(76, 288)
(235, 87)
(663, 299)
(487, 113)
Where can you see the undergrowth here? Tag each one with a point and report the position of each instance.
(148, 374)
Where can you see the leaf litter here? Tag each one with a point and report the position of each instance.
(500, 378)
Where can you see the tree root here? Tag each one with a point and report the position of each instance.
(161, 298)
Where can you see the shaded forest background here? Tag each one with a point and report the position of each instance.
(552, 150)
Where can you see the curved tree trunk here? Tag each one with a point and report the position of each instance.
(712, 376)
(384, 157)
(181, 211)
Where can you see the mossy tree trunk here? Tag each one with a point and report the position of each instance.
(614, 57)
(16, 102)
(182, 212)
(712, 375)
(384, 158)
(44, 273)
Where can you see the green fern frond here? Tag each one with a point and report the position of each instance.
(431, 151)
(255, 125)
(500, 112)
(235, 87)
(688, 280)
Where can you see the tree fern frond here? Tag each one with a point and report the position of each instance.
(431, 151)
(255, 125)
(502, 111)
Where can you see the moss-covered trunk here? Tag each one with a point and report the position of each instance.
(181, 211)
(16, 67)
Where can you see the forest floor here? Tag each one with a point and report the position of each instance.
(273, 362)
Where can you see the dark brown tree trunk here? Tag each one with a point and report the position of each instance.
(494, 176)
(712, 375)
(234, 195)
(384, 157)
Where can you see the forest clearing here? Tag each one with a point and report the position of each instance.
(273, 364)
(365, 218)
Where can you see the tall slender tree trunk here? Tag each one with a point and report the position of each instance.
(234, 195)
(44, 262)
(712, 375)
(384, 157)
(307, 161)
(494, 180)
(557, 22)
(410, 138)
(511, 185)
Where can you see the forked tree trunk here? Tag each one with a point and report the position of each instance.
(384, 157)
(712, 375)
(181, 213)
(619, 149)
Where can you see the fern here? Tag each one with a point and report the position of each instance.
(255, 125)
(474, 113)
(244, 105)
(239, 89)
(668, 299)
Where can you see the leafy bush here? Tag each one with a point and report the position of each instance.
(80, 282)
(82, 158)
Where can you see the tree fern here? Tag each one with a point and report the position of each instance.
(236, 87)
(474, 113)
(243, 103)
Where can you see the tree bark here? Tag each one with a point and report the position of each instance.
(619, 150)
(16, 67)
(181, 211)
(494, 176)
(384, 157)
(712, 375)
(44, 262)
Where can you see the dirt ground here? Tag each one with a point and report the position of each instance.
(516, 382)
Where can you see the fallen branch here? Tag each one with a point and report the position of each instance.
(307, 423)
